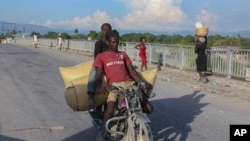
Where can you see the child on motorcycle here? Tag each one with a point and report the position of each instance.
(117, 67)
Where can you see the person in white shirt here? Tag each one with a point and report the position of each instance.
(59, 41)
(35, 41)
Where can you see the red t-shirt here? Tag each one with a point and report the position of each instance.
(114, 66)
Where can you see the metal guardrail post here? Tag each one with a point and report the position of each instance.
(50, 45)
(164, 55)
(182, 57)
(208, 53)
(150, 54)
(229, 62)
(67, 45)
(247, 77)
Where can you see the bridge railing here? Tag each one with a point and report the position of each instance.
(226, 61)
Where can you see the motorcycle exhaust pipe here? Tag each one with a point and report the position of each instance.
(113, 119)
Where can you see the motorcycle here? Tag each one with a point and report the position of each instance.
(129, 122)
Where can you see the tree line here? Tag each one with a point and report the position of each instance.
(187, 40)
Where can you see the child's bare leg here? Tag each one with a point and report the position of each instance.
(141, 66)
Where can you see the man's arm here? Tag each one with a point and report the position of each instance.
(132, 72)
(135, 76)
(99, 76)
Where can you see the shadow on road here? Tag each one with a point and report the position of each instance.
(171, 118)
(5, 138)
(88, 135)
(169, 122)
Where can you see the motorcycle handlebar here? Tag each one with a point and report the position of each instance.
(114, 119)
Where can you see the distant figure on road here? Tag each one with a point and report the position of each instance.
(35, 40)
(142, 52)
(201, 60)
(59, 41)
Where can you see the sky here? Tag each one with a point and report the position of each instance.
(130, 15)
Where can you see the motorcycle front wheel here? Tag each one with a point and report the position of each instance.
(138, 131)
(142, 131)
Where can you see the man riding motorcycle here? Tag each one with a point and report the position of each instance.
(117, 67)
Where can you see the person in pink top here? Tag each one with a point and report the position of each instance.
(117, 67)
(142, 52)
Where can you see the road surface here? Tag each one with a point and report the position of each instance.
(33, 108)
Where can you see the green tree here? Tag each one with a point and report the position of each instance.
(65, 35)
(127, 37)
(51, 35)
(187, 40)
(167, 39)
(150, 37)
(176, 39)
(76, 31)
(160, 39)
(79, 37)
(34, 33)
(93, 35)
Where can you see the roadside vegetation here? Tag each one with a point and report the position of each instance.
(187, 40)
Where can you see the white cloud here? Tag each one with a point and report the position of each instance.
(209, 19)
(143, 15)
(151, 15)
(89, 22)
